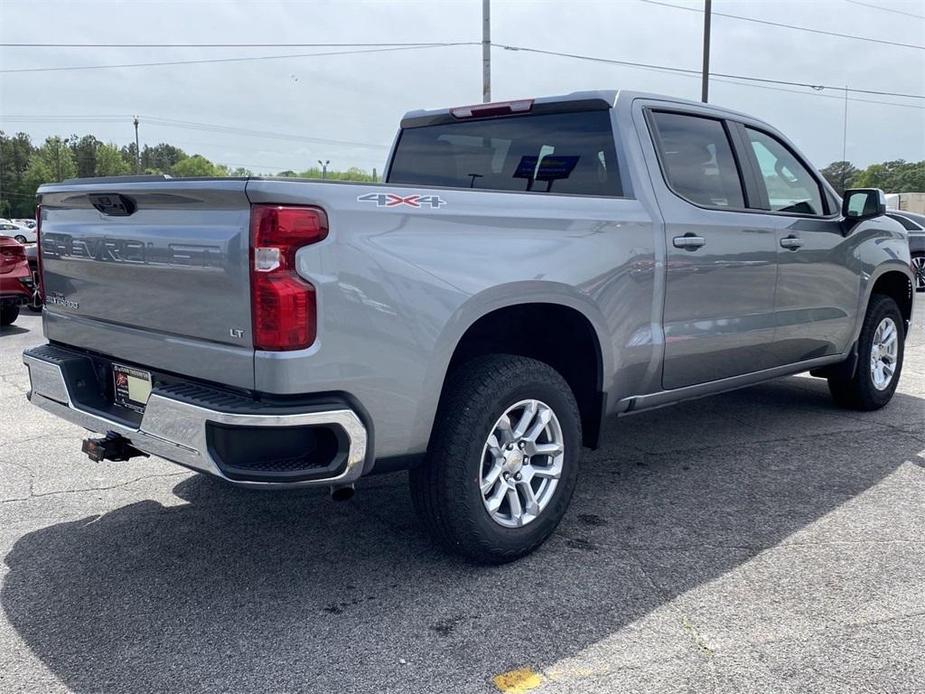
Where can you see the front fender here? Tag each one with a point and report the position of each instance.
(885, 249)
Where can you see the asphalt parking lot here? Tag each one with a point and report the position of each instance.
(760, 541)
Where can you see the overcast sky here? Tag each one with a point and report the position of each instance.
(360, 98)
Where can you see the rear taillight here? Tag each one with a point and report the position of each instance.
(282, 303)
(12, 253)
(38, 251)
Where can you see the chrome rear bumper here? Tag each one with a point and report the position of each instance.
(176, 430)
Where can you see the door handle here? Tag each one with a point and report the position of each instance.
(689, 242)
(791, 242)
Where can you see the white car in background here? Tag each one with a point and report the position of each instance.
(21, 233)
(29, 223)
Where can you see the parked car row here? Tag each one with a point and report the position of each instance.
(18, 229)
(18, 286)
(915, 228)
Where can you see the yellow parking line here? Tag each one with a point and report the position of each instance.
(517, 681)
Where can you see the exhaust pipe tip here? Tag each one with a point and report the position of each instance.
(343, 492)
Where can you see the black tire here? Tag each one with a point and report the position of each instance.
(8, 314)
(918, 268)
(445, 488)
(20, 238)
(859, 391)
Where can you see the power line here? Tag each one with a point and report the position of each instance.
(225, 45)
(686, 71)
(815, 94)
(788, 26)
(886, 9)
(646, 66)
(235, 60)
(190, 125)
(234, 130)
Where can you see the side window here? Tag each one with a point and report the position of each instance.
(698, 161)
(790, 185)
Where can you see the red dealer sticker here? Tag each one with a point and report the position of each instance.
(396, 200)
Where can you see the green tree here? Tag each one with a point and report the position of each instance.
(897, 176)
(351, 174)
(16, 199)
(109, 161)
(128, 155)
(840, 174)
(196, 165)
(161, 158)
(53, 161)
(84, 149)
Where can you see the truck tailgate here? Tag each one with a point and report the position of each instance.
(154, 273)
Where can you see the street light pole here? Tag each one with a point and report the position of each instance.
(486, 51)
(137, 151)
(324, 167)
(705, 77)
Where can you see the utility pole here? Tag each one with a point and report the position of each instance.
(137, 151)
(844, 144)
(58, 160)
(705, 77)
(324, 167)
(486, 51)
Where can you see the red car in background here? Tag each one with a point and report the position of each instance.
(16, 280)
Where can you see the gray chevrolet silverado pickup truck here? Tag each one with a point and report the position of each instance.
(526, 269)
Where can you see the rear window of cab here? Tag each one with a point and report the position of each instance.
(566, 153)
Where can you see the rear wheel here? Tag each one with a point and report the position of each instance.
(880, 359)
(503, 460)
(918, 269)
(8, 314)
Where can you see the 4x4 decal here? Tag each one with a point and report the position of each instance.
(396, 200)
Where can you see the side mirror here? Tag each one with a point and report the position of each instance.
(863, 203)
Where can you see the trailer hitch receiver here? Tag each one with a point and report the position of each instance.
(110, 447)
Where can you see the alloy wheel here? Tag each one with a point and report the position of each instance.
(521, 463)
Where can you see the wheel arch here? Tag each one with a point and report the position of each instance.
(895, 280)
(492, 322)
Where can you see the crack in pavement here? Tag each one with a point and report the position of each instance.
(687, 626)
(94, 489)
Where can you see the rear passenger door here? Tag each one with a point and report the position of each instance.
(818, 283)
(721, 266)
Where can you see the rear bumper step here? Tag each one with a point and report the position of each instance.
(243, 441)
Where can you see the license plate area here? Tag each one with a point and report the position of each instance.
(131, 387)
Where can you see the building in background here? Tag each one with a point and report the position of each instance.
(910, 202)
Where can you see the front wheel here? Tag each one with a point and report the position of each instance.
(503, 460)
(20, 238)
(880, 359)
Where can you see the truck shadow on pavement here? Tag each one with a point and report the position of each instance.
(246, 591)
